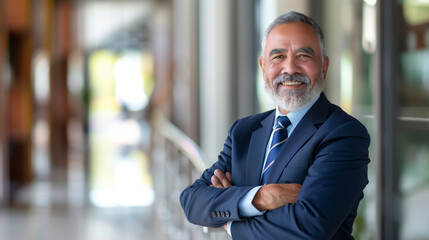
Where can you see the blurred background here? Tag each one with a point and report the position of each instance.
(110, 108)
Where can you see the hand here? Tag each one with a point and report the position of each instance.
(272, 196)
(221, 180)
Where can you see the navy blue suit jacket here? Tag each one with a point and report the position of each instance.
(327, 153)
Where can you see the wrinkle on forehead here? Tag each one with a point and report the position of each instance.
(297, 36)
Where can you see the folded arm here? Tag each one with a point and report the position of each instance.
(210, 206)
(213, 199)
(326, 203)
(268, 197)
(330, 193)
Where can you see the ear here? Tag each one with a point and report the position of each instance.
(325, 66)
(261, 64)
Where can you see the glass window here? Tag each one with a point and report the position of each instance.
(120, 83)
(413, 99)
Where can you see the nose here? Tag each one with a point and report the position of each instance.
(290, 66)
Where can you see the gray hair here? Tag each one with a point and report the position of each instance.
(292, 17)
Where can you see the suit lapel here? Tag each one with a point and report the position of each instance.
(305, 129)
(257, 149)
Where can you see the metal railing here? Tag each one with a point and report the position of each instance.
(176, 162)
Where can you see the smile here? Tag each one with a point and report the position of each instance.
(292, 83)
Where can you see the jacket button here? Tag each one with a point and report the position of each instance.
(214, 214)
(218, 214)
(227, 214)
(222, 214)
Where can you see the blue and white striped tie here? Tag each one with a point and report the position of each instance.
(279, 138)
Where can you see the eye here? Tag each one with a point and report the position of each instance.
(304, 56)
(277, 58)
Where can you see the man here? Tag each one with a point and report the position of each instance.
(304, 185)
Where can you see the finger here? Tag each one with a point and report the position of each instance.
(218, 178)
(222, 178)
(215, 182)
(228, 176)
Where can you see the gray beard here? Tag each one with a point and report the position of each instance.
(292, 100)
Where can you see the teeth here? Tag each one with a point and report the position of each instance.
(291, 83)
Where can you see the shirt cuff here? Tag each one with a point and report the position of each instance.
(228, 228)
(245, 206)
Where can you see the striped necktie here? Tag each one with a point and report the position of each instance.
(279, 138)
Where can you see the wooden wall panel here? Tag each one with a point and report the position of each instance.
(17, 15)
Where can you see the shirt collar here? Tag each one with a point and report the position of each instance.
(295, 116)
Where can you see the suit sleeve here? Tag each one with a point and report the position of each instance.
(209, 206)
(331, 190)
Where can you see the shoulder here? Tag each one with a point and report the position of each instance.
(342, 123)
(330, 120)
(330, 115)
(336, 113)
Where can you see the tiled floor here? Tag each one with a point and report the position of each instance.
(82, 224)
(42, 216)
(56, 206)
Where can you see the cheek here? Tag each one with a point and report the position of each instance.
(272, 71)
(313, 73)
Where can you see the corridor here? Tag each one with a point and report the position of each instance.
(110, 108)
(50, 223)
(49, 210)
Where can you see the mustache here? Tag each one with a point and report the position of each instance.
(290, 78)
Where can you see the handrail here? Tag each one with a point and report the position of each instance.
(176, 162)
(183, 142)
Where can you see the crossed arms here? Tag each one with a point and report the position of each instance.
(268, 197)
(325, 206)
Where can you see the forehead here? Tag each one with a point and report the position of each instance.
(293, 35)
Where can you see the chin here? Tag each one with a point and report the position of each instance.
(291, 101)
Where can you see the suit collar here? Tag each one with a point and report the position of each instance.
(320, 110)
(257, 147)
(305, 130)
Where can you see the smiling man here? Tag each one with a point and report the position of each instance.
(297, 171)
(293, 65)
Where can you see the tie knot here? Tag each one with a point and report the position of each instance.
(282, 122)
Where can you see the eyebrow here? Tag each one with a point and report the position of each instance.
(307, 50)
(276, 51)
